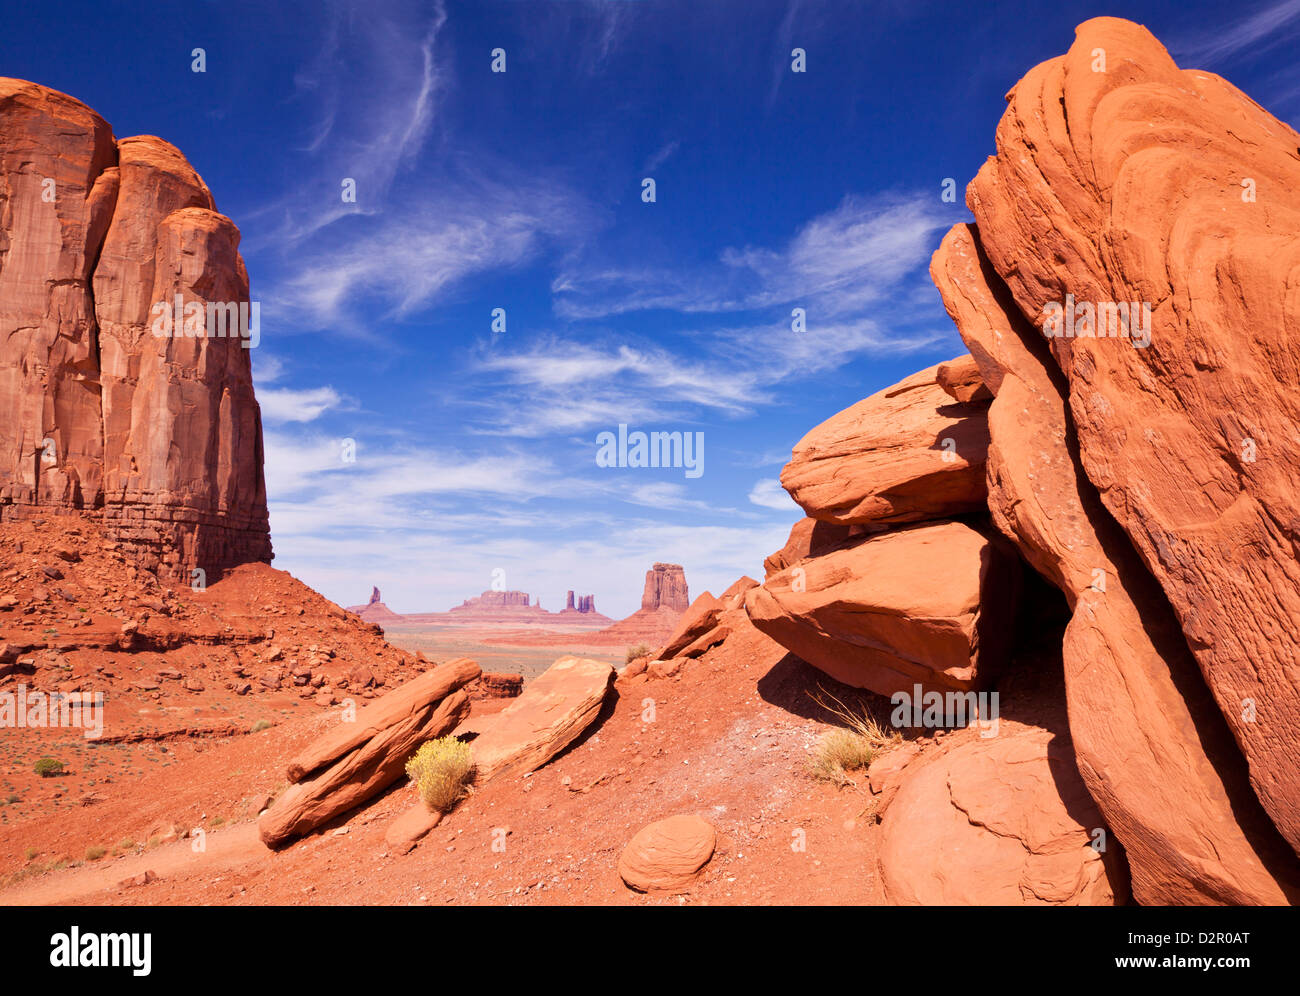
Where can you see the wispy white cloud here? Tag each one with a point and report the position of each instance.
(1268, 27)
(405, 259)
(768, 493)
(371, 96)
(661, 156)
(287, 405)
(266, 368)
(838, 262)
(559, 385)
(784, 45)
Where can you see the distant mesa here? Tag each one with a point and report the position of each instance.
(492, 608)
(663, 600)
(496, 601)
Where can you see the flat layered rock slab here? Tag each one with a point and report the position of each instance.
(359, 759)
(407, 700)
(553, 711)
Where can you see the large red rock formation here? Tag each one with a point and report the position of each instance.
(161, 436)
(1003, 821)
(663, 600)
(1135, 181)
(1150, 744)
(583, 604)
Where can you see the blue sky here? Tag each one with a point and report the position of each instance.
(522, 190)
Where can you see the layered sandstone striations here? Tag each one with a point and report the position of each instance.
(358, 759)
(931, 605)
(159, 436)
(1150, 744)
(1172, 193)
(665, 588)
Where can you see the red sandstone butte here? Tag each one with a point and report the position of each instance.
(159, 436)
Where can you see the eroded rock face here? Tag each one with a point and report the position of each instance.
(808, 537)
(960, 378)
(908, 453)
(160, 435)
(701, 617)
(1003, 821)
(58, 187)
(929, 605)
(1150, 745)
(1149, 184)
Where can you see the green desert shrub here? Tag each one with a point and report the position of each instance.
(441, 770)
(48, 767)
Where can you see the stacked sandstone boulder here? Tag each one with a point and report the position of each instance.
(160, 437)
(1156, 485)
(897, 578)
